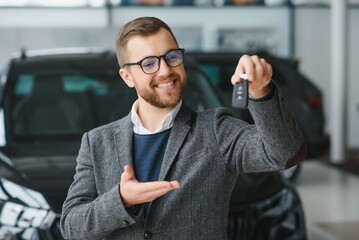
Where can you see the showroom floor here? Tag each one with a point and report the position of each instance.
(330, 196)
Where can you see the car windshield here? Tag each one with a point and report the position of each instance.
(60, 105)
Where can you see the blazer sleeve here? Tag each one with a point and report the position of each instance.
(85, 214)
(273, 142)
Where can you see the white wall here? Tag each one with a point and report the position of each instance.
(195, 28)
(211, 19)
(353, 77)
(312, 48)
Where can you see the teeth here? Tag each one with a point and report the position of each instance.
(163, 85)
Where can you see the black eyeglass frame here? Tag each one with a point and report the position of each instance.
(182, 50)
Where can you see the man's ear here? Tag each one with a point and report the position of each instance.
(126, 76)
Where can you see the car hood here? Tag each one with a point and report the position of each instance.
(50, 175)
(22, 210)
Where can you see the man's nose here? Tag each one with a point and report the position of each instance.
(164, 68)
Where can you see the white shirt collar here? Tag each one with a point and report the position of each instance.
(166, 124)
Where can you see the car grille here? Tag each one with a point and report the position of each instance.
(279, 217)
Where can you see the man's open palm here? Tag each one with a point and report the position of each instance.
(134, 192)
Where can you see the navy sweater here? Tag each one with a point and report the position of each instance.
(148, 152)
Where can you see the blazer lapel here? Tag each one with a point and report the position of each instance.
(123, 142)
(178, 134)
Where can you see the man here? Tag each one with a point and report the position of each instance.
(165, 171)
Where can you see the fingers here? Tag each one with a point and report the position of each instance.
(259, 74)
(257, 69)
(269, 69)
(157, 186)
(128, 173)
(134, 192)
(175, 184)
(128, 170)
(149, 191)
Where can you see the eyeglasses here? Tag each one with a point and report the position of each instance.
(151, 64)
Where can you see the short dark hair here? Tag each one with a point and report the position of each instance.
(143, 26)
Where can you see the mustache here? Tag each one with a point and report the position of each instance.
(172, 76)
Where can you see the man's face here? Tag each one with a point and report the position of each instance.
(162, 89)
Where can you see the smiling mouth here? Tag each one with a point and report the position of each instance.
(165, 85)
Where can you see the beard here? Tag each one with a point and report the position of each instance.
(171, 100)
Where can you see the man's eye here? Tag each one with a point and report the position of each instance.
(148, 63)
(171, 58)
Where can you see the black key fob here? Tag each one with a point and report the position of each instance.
(240, 93)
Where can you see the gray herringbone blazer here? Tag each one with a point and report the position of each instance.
(205, 152)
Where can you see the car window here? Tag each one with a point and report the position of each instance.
(65, 103)
(220, 74)
(60, 105)
(222, 68)
(200, 93)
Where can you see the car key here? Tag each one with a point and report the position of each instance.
(240, 93)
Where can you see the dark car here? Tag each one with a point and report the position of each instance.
(302, 96)
(24, 213)
(49, 100)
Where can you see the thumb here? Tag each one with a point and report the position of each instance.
(128, 173)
